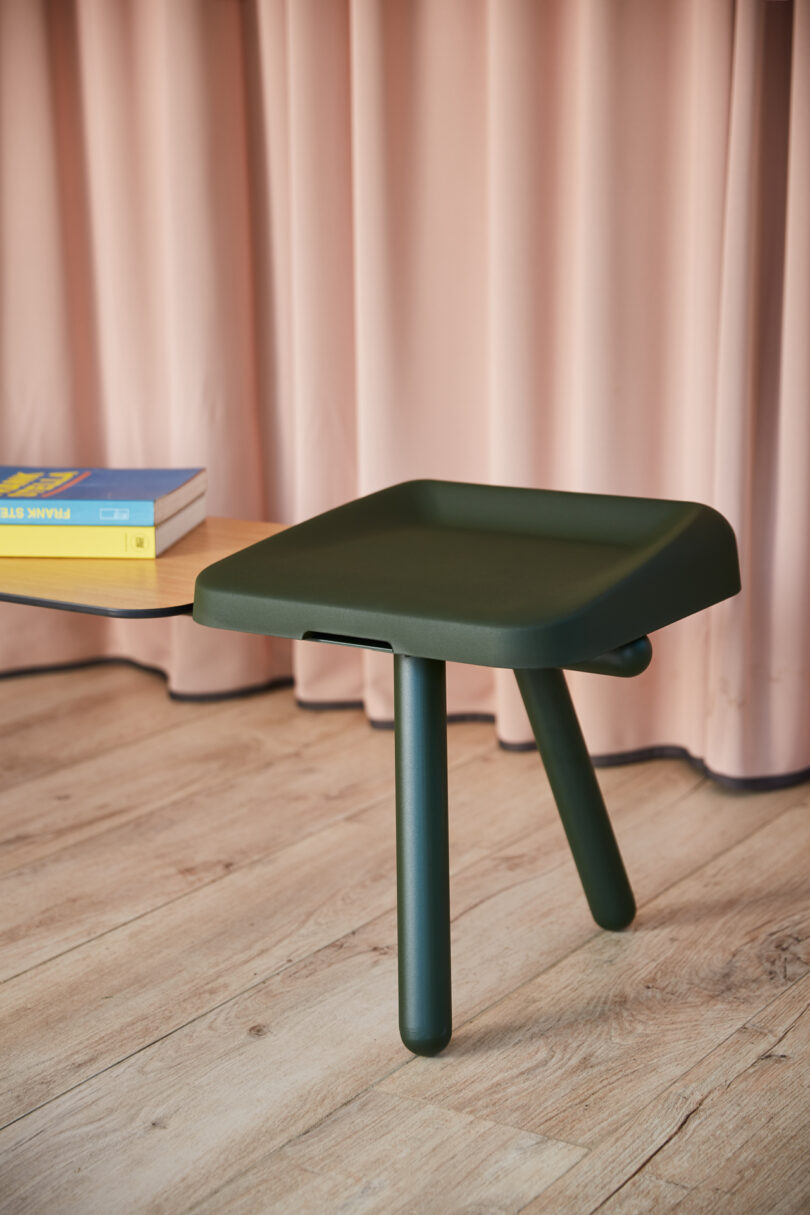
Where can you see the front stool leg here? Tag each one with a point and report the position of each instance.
(578, 796)
(423, 877)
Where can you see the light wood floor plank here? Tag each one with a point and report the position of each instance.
(54, 720)
(113, 876)
(161, 971)
(193, 839)
(40, 696)
(162, 1129)
(383, 1153)
(57, 718)
(113, 785)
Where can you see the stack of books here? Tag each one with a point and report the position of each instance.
(97, 512)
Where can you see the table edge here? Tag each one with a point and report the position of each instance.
(174, 609)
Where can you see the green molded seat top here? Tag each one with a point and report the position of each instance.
(478, 573)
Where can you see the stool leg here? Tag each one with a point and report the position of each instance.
(579, 799)
(423, 881)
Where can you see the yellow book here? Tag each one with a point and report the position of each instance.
(20, 540)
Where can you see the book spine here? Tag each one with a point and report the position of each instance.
(134, 542)
(77, 513)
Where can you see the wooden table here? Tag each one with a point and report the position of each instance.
(132, 588)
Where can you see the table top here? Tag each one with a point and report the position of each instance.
(163, 586)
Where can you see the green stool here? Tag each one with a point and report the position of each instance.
(535, 580)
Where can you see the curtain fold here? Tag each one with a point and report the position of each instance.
(323, 247)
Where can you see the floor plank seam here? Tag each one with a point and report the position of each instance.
(546, 801)
(246, 865)
(157, 907)
(124, 819)
(770, 1053)
(174, 800)
(146, 1046)
(573, 1165)
(672, 1086)
(361, 1092)
(197, 1017)
(672, 1135)
(751, 1024)
(511, 1126)
(230, 999)
(565, 861)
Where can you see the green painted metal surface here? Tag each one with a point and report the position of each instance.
(625, 661)
(480, 574)
(578, 797)
(423, 881)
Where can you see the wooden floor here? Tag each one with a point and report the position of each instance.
(198, 975)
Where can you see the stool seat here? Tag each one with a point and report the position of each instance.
(479, 574)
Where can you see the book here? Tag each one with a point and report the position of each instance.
(96, 497)
(61, 541)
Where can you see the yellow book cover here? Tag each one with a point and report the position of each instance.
(44, 541)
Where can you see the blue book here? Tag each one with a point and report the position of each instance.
(103, 497)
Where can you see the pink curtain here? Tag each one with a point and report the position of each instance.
(320, 247)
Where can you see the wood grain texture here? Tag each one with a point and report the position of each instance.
(167, 842)
(200, 1011)
(619, 1019)
(383, 1152)
(52, 720)
(631, 1151)
(730, 1144)
(502, 885)
(130, 587)
(645, 1195)
(108, 788)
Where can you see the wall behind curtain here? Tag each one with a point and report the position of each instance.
(320, 247)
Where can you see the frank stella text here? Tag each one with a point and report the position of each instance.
(19, 514)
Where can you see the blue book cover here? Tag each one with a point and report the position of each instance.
(111, 497)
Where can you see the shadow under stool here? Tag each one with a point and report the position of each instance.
(534, 580)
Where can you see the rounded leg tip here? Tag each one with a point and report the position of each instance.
(426, 1044)
(617, 918)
